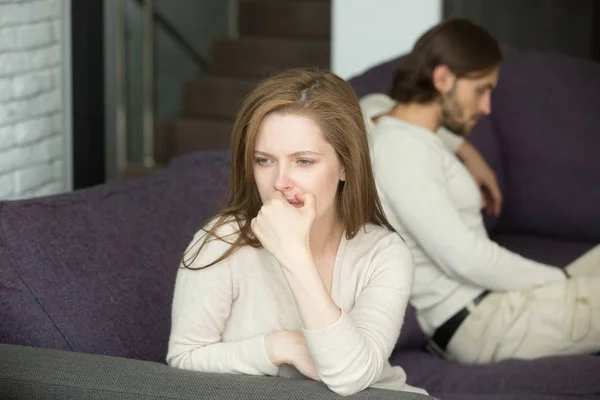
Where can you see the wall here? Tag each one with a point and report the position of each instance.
(34, 98)
(365, 33)
(559, 26)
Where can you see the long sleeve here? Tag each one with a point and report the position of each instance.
(351, 353)
(202, 303)
(410, 176)
(451, 140)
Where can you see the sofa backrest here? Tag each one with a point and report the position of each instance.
(94, 271)
(545, 111)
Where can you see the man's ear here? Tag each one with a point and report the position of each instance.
(443, 79)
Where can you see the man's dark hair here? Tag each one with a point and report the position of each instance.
(466, 48)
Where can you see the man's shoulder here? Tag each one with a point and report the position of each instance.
(404, 144)
(376, 103)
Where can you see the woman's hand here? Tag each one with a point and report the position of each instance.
(289, 347)
(284, 230)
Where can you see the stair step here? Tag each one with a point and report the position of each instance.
(190, 134)
(215, 96)
(288, 18)
(261, 56)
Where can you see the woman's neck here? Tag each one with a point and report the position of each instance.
(325, 236)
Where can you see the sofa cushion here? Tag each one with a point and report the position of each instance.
(411, 335)
(94, 270)
(560, 375)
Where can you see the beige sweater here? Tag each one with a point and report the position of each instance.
(222, 313)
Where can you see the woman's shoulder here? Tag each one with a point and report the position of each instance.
(375, 236)
(378, 250)
(213, 240)
(226, 228)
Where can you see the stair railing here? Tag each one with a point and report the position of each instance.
(150, 17)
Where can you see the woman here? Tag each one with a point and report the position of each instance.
(300, 274)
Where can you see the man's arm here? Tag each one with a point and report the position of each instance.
(452, 141)
(478, 167)
(410, 177)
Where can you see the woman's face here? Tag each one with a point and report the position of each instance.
(292, 156)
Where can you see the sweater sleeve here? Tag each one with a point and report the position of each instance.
(202, 303)
(410, 178)
(351, 353)
(451, 140)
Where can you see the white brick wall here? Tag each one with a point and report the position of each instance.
(33, 107)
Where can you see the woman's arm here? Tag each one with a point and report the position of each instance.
(315, 305)
(350, 353)
(201, 305)
(284, 231)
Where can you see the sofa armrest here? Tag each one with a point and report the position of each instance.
(35, 373)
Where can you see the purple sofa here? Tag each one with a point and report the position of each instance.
(86, 278)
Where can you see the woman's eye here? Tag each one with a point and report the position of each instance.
(305, 162)
(261, 160)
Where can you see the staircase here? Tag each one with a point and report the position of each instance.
(273, 35)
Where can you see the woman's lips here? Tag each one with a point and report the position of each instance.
(294, 203)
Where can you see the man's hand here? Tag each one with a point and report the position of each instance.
(484, 176)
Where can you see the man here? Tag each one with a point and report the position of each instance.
(478, 302)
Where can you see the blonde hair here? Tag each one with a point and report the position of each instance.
(331, 103)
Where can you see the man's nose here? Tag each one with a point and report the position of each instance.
(486, 104)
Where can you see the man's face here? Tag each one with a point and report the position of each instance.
(467, 101)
